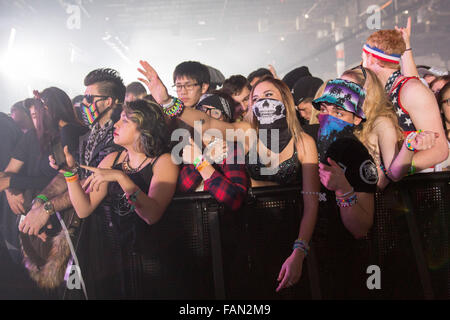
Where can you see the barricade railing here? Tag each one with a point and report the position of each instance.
(224, 254)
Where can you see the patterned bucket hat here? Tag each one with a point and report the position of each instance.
(345, 94)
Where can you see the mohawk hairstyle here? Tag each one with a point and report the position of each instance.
(109, 81)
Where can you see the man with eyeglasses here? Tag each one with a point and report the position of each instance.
(191, 80)
(102, 102)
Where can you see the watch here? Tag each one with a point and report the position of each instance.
(48, 207)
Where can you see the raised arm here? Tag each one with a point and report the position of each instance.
(189, 115)
(407, 61)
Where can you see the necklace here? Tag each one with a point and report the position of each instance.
(127, 167)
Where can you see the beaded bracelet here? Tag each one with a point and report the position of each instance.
(310, 192)
(302, 245)
(345, 203)
(175, 109)
(133, 198)
(345, 194)
(409, 139)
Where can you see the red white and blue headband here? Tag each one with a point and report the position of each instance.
(380, 54)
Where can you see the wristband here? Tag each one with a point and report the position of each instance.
(68, 174)
(345, 194)
(72, 178)
(197, 161)
(409, 139)
(175, 108)
(345, 203)
(412, 169)
(202, 165)
(42, 197)
(133, 198)
(302, 245)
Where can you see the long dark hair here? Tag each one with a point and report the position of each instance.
(51, 106)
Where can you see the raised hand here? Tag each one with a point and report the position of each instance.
(154, 83)
(406, 33)
(273, 72)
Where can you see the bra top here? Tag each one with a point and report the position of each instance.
(287, 172)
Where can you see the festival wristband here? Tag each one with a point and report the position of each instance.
(345, 203)
(302, 245)
(42, 197)
(410, 138)
(175, 108)
(72, 178)
(133, 198)
(197, 161)
(340, 196)
(202, 165)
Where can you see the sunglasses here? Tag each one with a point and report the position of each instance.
(363, 72)
(90, 97)
(212, 112)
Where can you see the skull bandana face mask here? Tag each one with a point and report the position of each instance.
(271, 115)
(331, 129)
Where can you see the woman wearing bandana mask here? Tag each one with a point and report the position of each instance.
(293, 156)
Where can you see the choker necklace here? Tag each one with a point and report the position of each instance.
(126, 165)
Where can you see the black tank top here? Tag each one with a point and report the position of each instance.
(131, 228)
(289, 171)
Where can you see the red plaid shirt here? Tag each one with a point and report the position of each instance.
(228, 184)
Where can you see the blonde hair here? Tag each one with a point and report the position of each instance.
(375, 105)
(391, 42)
(314, 112)
(288, 101)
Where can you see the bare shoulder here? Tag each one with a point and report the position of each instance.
(165, 163)
(306, 148)
(383, 123)
(414, 87)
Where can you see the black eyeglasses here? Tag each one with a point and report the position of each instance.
(187, 86)
(363, 72)
(90, 97)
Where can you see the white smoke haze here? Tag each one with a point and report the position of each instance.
(57, 42)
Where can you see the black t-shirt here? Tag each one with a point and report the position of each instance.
(37, 172)
(353, 157)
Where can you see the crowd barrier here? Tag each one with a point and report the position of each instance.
(223, 254)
